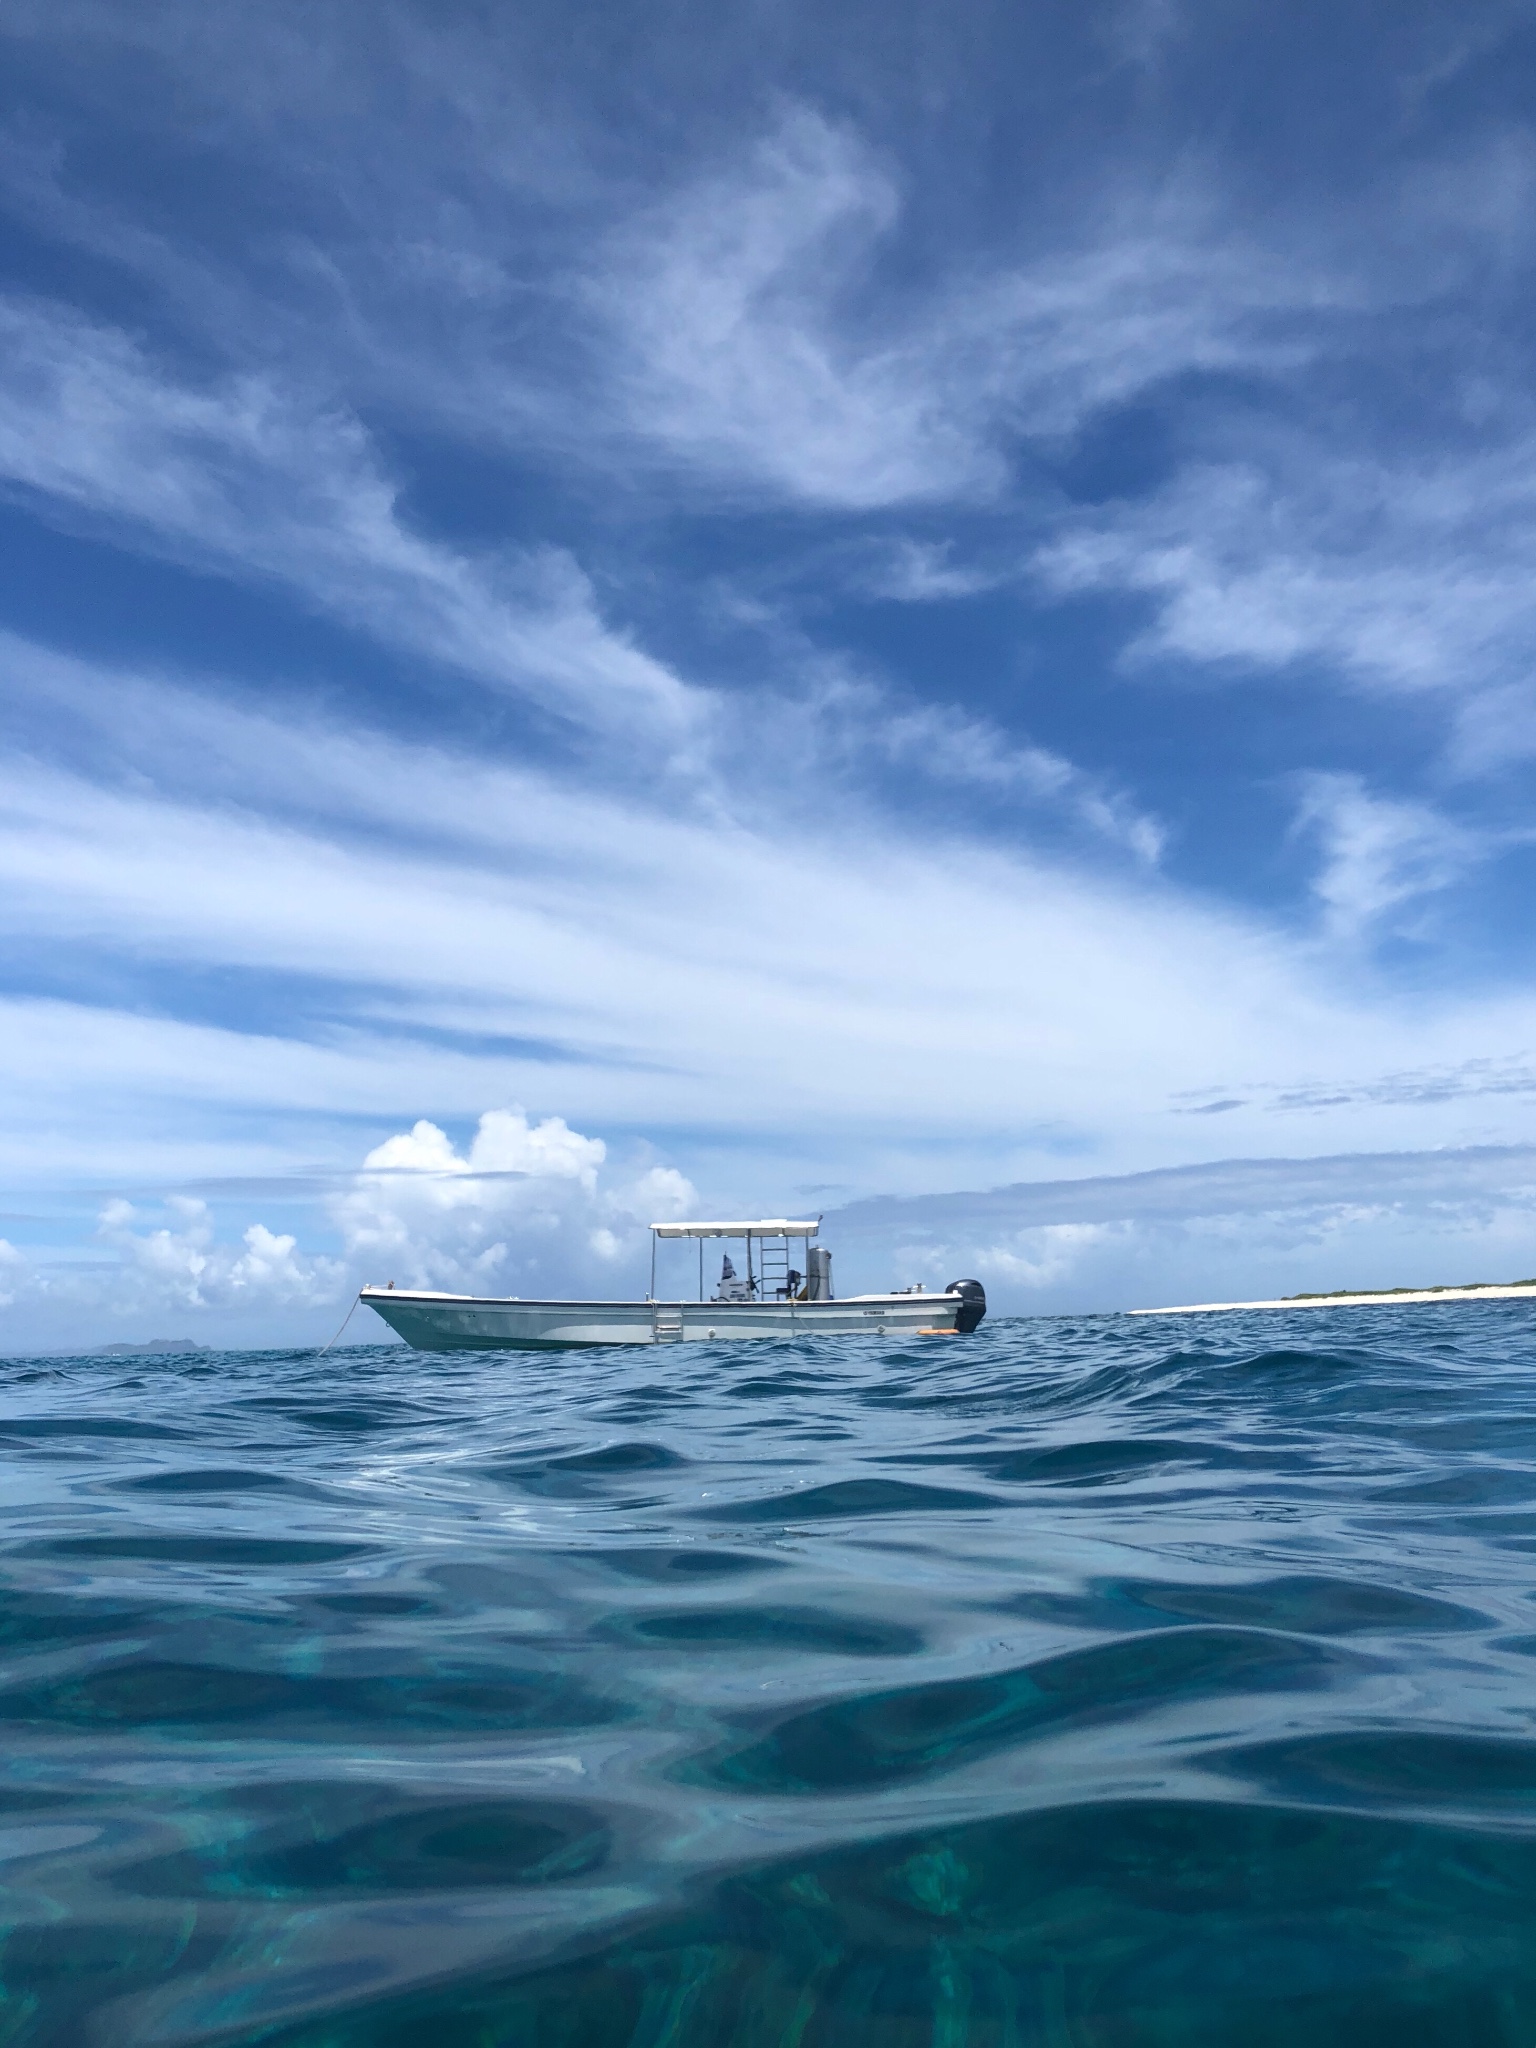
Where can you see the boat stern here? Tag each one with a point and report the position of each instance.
(973, 1304)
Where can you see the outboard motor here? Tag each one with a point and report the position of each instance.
(973, 1304)
(818, 1273)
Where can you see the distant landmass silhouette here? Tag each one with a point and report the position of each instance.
(154, 1344)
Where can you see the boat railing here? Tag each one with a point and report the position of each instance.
(772, 1276)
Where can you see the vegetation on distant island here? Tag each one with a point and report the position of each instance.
(1447, 1287)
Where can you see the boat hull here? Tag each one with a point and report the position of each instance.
(458, 1322)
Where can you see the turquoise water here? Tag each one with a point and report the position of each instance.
(1092, 1683)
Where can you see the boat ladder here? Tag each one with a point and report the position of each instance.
(666, 1325)
(772, 1274)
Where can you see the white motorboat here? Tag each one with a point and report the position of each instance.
(772, 1298)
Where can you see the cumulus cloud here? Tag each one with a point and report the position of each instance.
(175, 1264)
(525, 1206)
(1039, 1257)
(181, 1264)
(505, 1142)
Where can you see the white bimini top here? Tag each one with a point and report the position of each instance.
(774, 1226)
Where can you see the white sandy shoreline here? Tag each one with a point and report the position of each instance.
(1208, 1308)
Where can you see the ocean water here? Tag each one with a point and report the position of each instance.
(1089, 1683)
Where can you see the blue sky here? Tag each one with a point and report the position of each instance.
(767, 610)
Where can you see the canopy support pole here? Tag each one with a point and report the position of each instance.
(652, 1295)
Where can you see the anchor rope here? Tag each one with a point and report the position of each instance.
(344, 1322)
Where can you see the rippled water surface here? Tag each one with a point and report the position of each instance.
(1091, 1683)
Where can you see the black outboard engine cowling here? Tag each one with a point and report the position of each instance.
(973, 1304)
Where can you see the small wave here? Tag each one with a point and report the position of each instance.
(1304, 1605)
(325, 1839)
(1398, 1766)
(846, 1499)
(915, 1730)
(193, 1547)
(658, 1564)
(574, 1473)
(1108, 1462)
(776, 1628)
(148, 1692)
(226, 1480)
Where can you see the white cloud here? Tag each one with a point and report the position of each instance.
(854, 722)
(740, 329)
(455, 931)
(252, 480)
(1235, 1229)
(247, 476)
(723, 308)
(748, 338)
(745, 328)
(181, 1265)
(1141, 30)
(505, 1142)
(528, 1204)
(754, 344)
(523, 1208)
(11, 1265)
(1037, 1258)
(1402, 573)
(1380, 853)
(686, 959)
(910, 571)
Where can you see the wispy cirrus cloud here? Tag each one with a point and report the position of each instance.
(1404, 577)
(752, 329)
(726, 354)
(851, 722)
(239, 476)
(1381, 854)
(751, 340)
(447, 931)
(244, 474)
(1462, 1081)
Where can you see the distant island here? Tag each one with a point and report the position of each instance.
(1387, 1293)
(141, 1350)
(1474, 1290)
